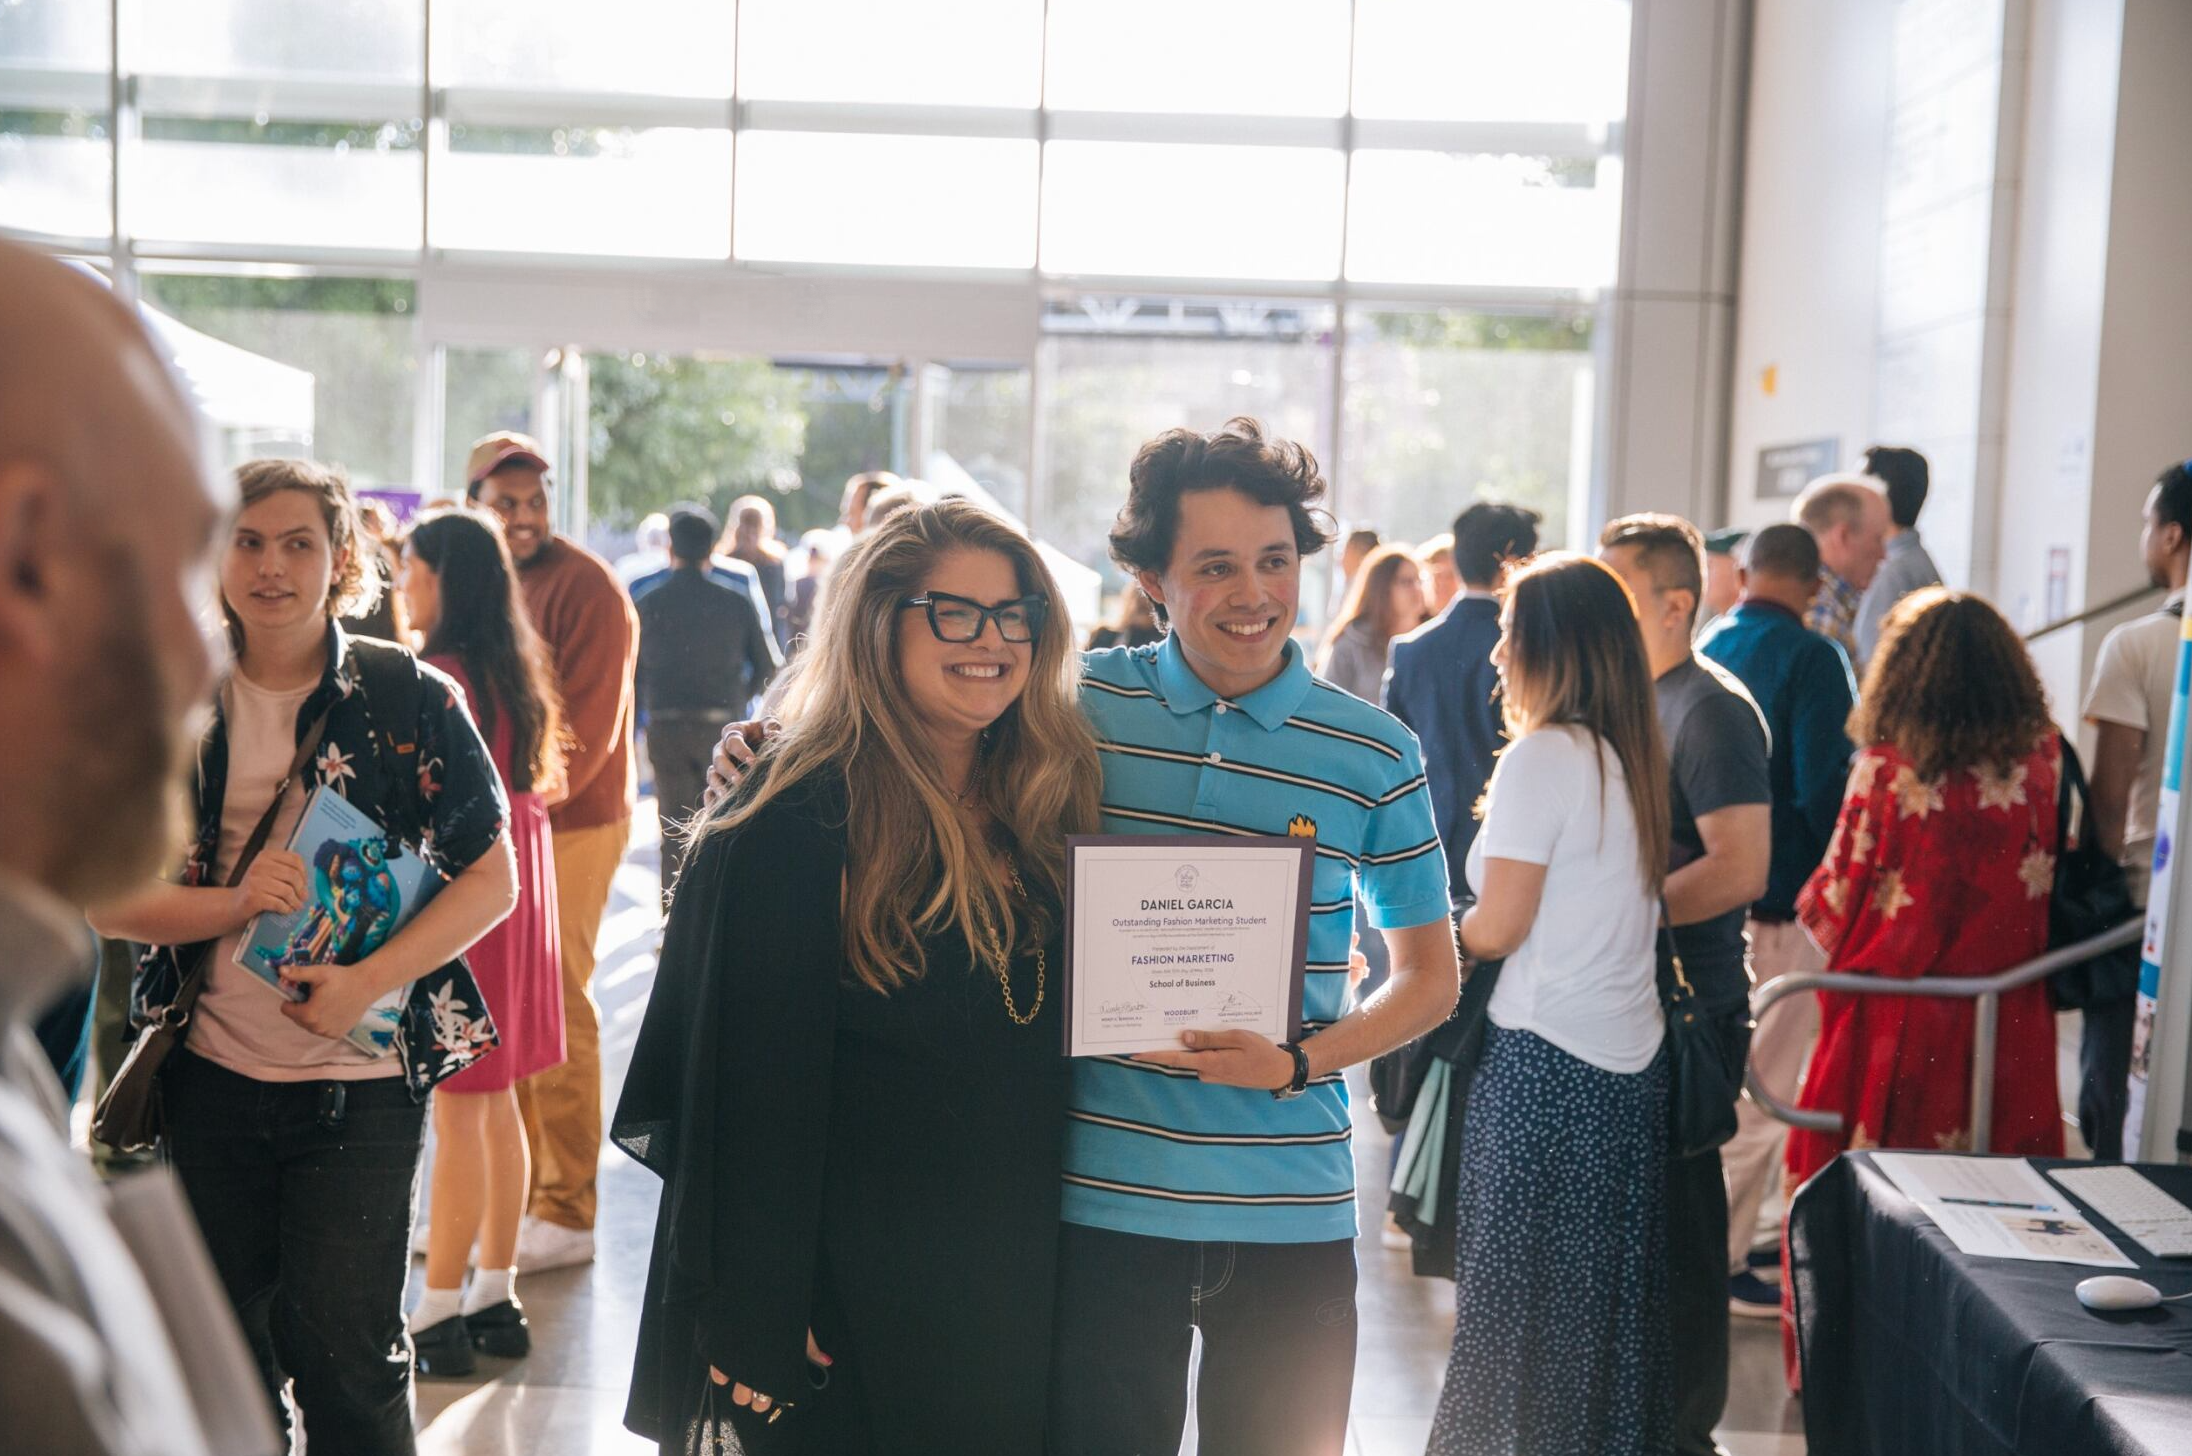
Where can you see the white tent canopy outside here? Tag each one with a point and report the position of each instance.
(241, 393)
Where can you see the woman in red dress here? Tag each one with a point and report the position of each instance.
(462, 590)
(1941, 865)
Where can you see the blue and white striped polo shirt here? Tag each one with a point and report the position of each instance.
(1153, 1151)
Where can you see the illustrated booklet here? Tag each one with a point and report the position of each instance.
(362, 885)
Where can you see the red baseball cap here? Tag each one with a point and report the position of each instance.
(491, 452)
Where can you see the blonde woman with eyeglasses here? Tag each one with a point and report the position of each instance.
(850, 1076)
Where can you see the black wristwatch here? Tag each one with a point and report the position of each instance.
(1300, 1079)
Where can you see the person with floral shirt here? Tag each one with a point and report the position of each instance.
(1941, 864)
(298, 1151)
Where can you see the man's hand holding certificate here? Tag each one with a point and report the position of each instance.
(1175, 934)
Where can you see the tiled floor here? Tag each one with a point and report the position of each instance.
(567, 1399)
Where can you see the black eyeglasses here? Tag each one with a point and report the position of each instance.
(956, 619)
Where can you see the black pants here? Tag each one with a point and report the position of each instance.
(1278, 1326)
(2104, 1076)
(678, 748)
(306, 1209)
(1697, 1275)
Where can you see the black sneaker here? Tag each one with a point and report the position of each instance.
(501, 1330)
(1750, 1297)
(444, 1350)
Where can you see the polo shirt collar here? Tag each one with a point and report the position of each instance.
(1270, 705)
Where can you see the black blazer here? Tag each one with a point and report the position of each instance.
(728, 1094)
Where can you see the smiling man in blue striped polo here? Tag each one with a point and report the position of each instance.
(1214, 1187)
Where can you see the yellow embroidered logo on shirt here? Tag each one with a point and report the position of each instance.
(1301, 826)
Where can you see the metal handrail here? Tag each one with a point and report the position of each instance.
(1986, 990)
(2114, 604)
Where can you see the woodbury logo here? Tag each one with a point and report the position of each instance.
(1301, 826)
(1186, 876)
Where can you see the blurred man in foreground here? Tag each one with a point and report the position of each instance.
(106, 520)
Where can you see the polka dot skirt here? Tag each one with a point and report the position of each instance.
(1560, 1335)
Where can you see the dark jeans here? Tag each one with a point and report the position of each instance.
(2104, 1076)
(1278, 1326)
(1697, 1275)
(307, 1213)
(678, 745)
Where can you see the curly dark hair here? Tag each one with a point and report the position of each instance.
(1950, 687)
(1238, 456)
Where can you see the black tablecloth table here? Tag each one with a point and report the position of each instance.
(1910, 1346)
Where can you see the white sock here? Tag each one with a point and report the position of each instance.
(490, 1287)
(436, 1305)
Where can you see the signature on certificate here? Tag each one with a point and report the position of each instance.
(1120, 1008)
(1235, 1004)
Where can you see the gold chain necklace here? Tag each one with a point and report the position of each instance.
(1002, 964)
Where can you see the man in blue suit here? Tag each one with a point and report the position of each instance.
(1443, 686)
(1442, 683)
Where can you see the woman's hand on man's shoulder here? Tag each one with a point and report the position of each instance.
(734, 755)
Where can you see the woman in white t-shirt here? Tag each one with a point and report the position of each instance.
(1560, 1338)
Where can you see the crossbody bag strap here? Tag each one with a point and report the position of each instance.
(193, 980)
(1674, 956)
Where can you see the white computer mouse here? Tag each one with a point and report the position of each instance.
(2114, 1292)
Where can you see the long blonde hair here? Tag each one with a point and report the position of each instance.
(915, 870)
(1575, 654)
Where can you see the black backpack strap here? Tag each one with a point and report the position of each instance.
(394, 689)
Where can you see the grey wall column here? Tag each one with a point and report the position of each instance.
(1666, 331)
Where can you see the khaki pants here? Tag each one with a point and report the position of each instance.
(1780, 1048)
(562, 1106)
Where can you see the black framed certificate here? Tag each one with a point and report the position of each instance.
(1183, 932)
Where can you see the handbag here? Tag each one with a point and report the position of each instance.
(710, 1433)
(127, 1118)
(2091, 894)
(451, 986)
(1702, 1087)
(723, 1427)
(1397, 1076)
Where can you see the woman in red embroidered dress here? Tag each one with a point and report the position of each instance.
(1941, 865)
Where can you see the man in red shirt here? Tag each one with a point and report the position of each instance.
(582, 612)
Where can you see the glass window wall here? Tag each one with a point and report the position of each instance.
(1168, 210)
(1396, 167)
(918, 201)
(1444, 407)
(967, 53)
(1243, 57)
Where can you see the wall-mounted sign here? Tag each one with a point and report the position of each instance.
(1784, 470)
